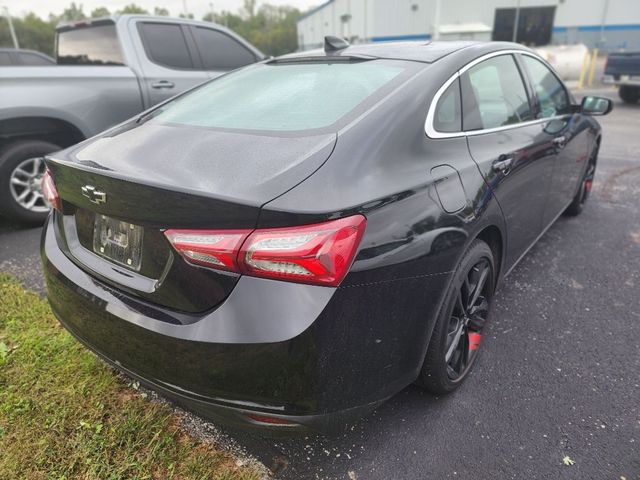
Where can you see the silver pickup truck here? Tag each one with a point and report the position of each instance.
(108, 70)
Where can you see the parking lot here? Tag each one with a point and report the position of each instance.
(558, 375)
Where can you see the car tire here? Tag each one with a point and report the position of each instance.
(17, 160)
(447, 363)
(629, 94)
(578, 202)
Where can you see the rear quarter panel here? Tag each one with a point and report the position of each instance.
(385, 309)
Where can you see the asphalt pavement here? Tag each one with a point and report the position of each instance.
(559, 371)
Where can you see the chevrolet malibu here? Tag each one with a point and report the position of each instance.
(291, 244)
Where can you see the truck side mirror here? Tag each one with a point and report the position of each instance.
(596, 105)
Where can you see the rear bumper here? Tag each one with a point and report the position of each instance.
(238, 416)
(316, 356)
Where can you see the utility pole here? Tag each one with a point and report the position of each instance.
(13, 32)
(435, 35)
(211, 8)
(603, 22)
(184, 7)
(516, 22)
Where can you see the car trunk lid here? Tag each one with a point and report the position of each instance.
(122, 190)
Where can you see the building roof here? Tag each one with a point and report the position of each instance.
(427, 52)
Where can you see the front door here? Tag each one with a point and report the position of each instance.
(571, 145)
(509, 146)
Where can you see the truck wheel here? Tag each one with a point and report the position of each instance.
(629, 93)
(21, 170)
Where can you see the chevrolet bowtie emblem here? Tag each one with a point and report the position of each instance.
(94, 196)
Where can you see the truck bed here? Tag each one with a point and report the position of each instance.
(623, 63)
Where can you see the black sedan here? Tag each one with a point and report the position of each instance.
(293, 243)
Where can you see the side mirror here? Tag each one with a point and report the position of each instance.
(596, 106)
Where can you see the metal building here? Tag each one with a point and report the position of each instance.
(606, 24)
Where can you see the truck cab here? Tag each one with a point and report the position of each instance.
(108, 70)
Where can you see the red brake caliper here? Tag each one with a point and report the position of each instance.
(588, 184)
(474, 340)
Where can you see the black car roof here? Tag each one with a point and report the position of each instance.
(420, 51)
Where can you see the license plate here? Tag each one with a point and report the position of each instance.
(118, 241)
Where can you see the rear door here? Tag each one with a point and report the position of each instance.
(563, 130)
(513, 154)
(171, 64)
(219, 51)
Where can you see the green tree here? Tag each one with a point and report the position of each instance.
(100, 12)
(72, 13)
(133, 8)
(160, 11)
(271, 28)
(32, 32)
(249, 8)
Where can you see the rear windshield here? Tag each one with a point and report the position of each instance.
(285, 97)
(97, 45)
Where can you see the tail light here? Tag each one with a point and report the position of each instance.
(49, 191)
(319, 254)
(209, 248)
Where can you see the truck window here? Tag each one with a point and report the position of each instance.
(221, 52)
(93, 45)
(165, 45)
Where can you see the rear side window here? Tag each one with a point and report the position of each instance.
(5, 59)
(494, 95)
(96, 45)
(285, 97)
(165, 45)
(221, 52)
(551, 95)
(448, 115)
(32, 59)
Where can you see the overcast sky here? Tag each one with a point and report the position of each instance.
(175, 7)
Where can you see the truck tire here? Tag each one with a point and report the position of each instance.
(21, 170)
(629, 93)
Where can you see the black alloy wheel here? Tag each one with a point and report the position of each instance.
(467, 320)
(457, 335)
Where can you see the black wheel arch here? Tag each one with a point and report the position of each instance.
(49, 129)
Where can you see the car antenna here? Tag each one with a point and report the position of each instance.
(333, 44)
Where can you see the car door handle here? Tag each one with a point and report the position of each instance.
(163, 84)
(503, 164)
(560, 142)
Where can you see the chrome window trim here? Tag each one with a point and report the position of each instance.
(428, 124)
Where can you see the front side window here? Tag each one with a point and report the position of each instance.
(95, 45)
(551, 95)
(221, 52)
(165, 45)
(448, 114)
(281, 97)
(494, 95)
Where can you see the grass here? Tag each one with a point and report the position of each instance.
(66, 415)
